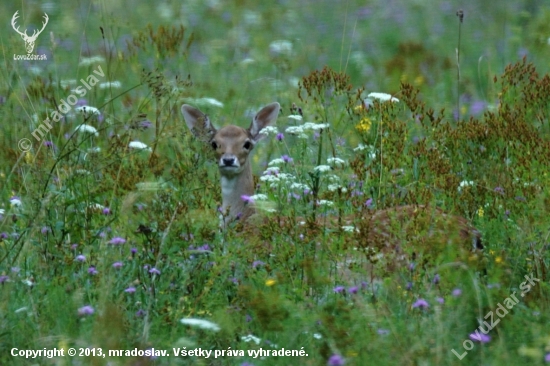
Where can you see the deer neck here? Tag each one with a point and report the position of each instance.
(233, 188)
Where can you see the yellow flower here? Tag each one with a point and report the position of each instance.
(270, 282)
(498, 259)
(364, 125)
(480, 211)
(419, 80)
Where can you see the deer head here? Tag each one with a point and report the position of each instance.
(232, 146)
(29, 40)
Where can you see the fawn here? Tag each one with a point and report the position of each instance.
(388, 230)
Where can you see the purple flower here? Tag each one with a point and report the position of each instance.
(145, 124)
(92, 271)
(154, 271)
(499, 190)
(117, 240)
(257, 264)
(4, 235)
(383, 331)
(106, 211)
(287, 159)
(440, 300)
(45, 230)
(3, 279)
(409, 286)
(457, 292)
(436, 279)
(133, 251)
(248, 318)
(73, 246)
(117, 264)
(130, 290)
(336, 360)
(480, 337)
(140, 313)
(280, 136)
(547, 357)
(247, 199)
(368, 203)
(353, 290)
(86, 310)
(421, 303)
(80, 258)
(411, 266)
(339, 289)
(477, 108)
(49, 144)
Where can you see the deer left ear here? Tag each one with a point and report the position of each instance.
(265, 117)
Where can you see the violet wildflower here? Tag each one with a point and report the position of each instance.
(154, 271)
(436, 279)
(480, 337)
(280, 136)
(383, 331)
(353, 290)
(4, 235)
(499, 190)
(440, 300)
(457, 292)
(106, 211)
(247, 199)
(117, 240)
(45, 230)
(92, 271)
(86, 310)
(339, 289)
(368, 203)
(257, 264)
(421, 303)
(130, 290)
(547, 357)
(49, 144)
(117, 265)
(80, 258)
(73, 246)
(336, 360)
(3, 279)
(140, 313)
(133, 251)
(287, 159)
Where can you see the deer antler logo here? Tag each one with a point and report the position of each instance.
(29, 40)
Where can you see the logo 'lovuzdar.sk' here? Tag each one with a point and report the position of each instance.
(29, 40)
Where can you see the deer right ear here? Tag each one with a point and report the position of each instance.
(198, 123)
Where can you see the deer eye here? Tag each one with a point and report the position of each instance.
(247, 145)
(214, 145)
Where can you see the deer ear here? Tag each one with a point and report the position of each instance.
(198, 123)
(265, 117)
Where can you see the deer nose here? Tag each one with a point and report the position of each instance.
(228, 161)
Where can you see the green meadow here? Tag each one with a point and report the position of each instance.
(110, 245)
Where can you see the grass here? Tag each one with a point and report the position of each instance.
(106, 247)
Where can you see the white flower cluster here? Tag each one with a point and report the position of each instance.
(300, 131)
(269, 130)
(336, 161)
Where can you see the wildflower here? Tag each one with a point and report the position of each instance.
(353, 290)
(3, 235)
(295, 117)
(480, 337)
(421, 303)
(457, 292)
(45, 230)
(49, 144)
(257, 264)
(138, 145)
(280, 136)
(140, 313)
(322, 169)
(270, 282)
(383, 97)
(87, 129)
(87, 110)
(117, 265)
(110, 84)
(339, 289)
(92, 271)
(480, 211)
(206, 102)
(364, 125)
(336, 161)
(440, 300)
(436, 278)
(15, 201)
(464, 184)
(3, 279)
(86, 310)
(201, 323)
(130, 290)
(247, 199)
(547, 357)
(280, 48)
(317, 336)
(349, 228)
(315, 126)
(499, 190)
(276, 162)
(336, 360)
(287, 159)
(368, 202)
(325, 203)
(269, 130)
(74, 246)
(106, 211)
(154, 271)
(383, 331)
(250, 337)
(133, 251)
(80, 258)
(117, 240)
